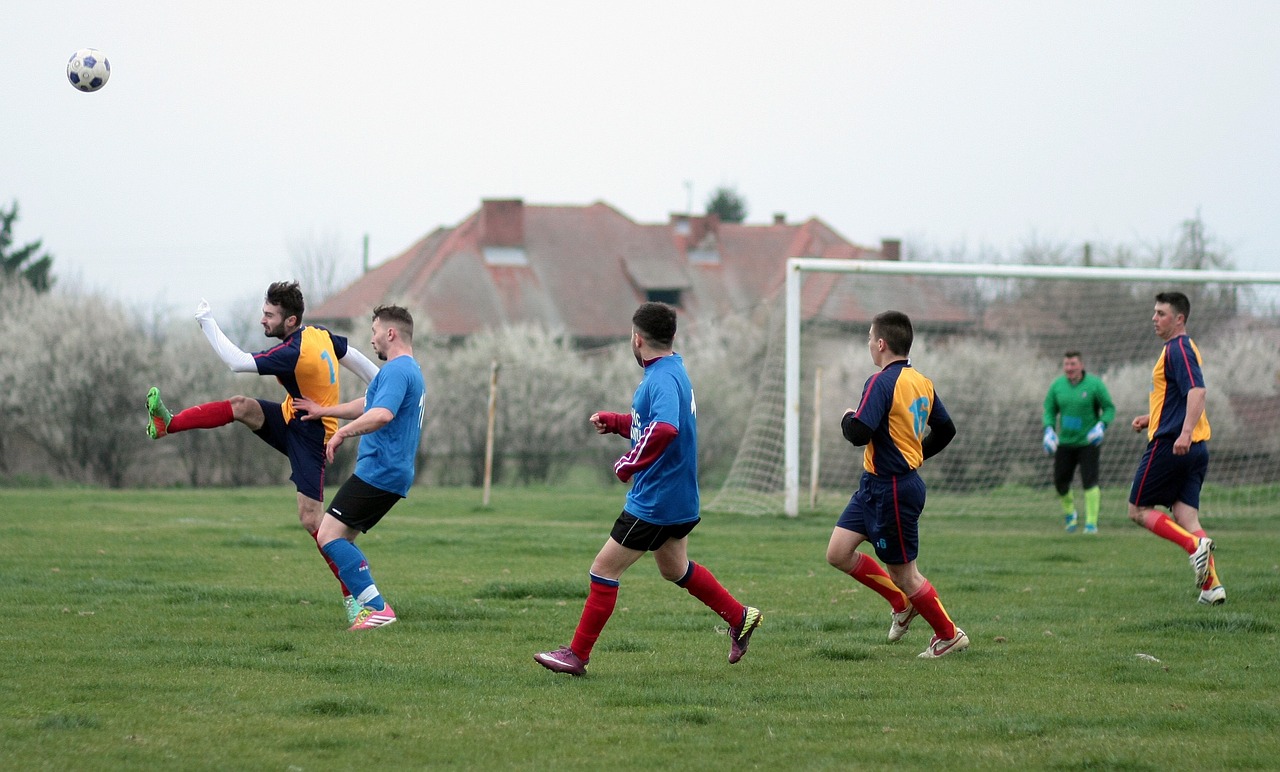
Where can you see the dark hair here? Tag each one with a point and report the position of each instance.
(656, 323)
(894, 328)
(288, 296)
(1177, 301)
(1072, 355)
(397, 316)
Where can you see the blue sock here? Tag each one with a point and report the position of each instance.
(354, 570)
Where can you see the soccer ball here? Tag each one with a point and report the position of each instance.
(88, 69)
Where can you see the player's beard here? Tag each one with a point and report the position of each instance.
(274, 332)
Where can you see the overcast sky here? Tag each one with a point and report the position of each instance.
(233, 132)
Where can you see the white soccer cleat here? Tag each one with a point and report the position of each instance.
(940, 648)
(1214, 596)
(1200, 560)
(901, 621)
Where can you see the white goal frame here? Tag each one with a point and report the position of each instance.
(797, 265)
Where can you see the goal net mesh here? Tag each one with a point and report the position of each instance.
(992, 346)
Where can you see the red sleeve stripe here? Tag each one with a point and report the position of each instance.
(866, 392)
(1186, 361)
(653, 440)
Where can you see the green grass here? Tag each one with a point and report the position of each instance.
(200, 630)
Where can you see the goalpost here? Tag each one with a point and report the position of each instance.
(991, 337)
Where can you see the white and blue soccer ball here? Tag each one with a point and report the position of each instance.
(88, 69)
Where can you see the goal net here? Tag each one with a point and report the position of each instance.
(992, 339)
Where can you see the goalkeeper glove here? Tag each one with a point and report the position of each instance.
(1095, 434)
(203, 312)
(1050, 440)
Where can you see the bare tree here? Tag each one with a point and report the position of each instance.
(322, 264)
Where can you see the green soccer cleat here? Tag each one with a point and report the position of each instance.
(158, 425)
(353, 609)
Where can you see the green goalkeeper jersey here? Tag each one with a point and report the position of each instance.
(1080, 406)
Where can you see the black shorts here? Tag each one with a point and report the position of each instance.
(359, 505)
(1065, 461)
(634, 533)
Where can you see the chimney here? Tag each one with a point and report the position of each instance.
(502, 222)
(779, 218)
(681, 223)
(891, 249)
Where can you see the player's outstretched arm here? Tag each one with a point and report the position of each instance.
(359, 364)
(239, 361)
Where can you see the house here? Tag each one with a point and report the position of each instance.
(583, 269)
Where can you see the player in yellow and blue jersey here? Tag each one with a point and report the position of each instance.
(898, 404)
(1173, 466)
(305, 362)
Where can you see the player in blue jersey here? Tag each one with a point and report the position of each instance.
(389, 417)
(1173, 466)
(305, 362)
(898, 404)
(662, 505)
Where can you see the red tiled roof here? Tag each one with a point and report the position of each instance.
(585, 268)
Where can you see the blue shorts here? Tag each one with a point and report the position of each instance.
(1164, 479)
(302, 441)
(887, 511)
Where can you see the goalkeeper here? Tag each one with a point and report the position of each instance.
(1077, 411)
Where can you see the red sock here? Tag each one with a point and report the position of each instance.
(926, 602)
(601, 599)
(1167, 528)
(869, 572)
(332, 566)
(703, 586)
(210, 415)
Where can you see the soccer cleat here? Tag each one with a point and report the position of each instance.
(1214, 596)
(901, 621)
(1091, 529)
(1200, 560)
(940, 648)
(1071, 520)
(562, 660)
(158, 415)
(368, 619)
(740, 636)
(352, 607)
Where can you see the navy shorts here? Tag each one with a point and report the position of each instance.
(302, 441)
(359, 505)
(634, 533)
(887, 511)
(1164, 479)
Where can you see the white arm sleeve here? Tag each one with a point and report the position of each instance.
(359, 364)
(239, 361)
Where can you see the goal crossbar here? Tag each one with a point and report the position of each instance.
(797, 265)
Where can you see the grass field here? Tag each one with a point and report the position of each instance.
(200, 630)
